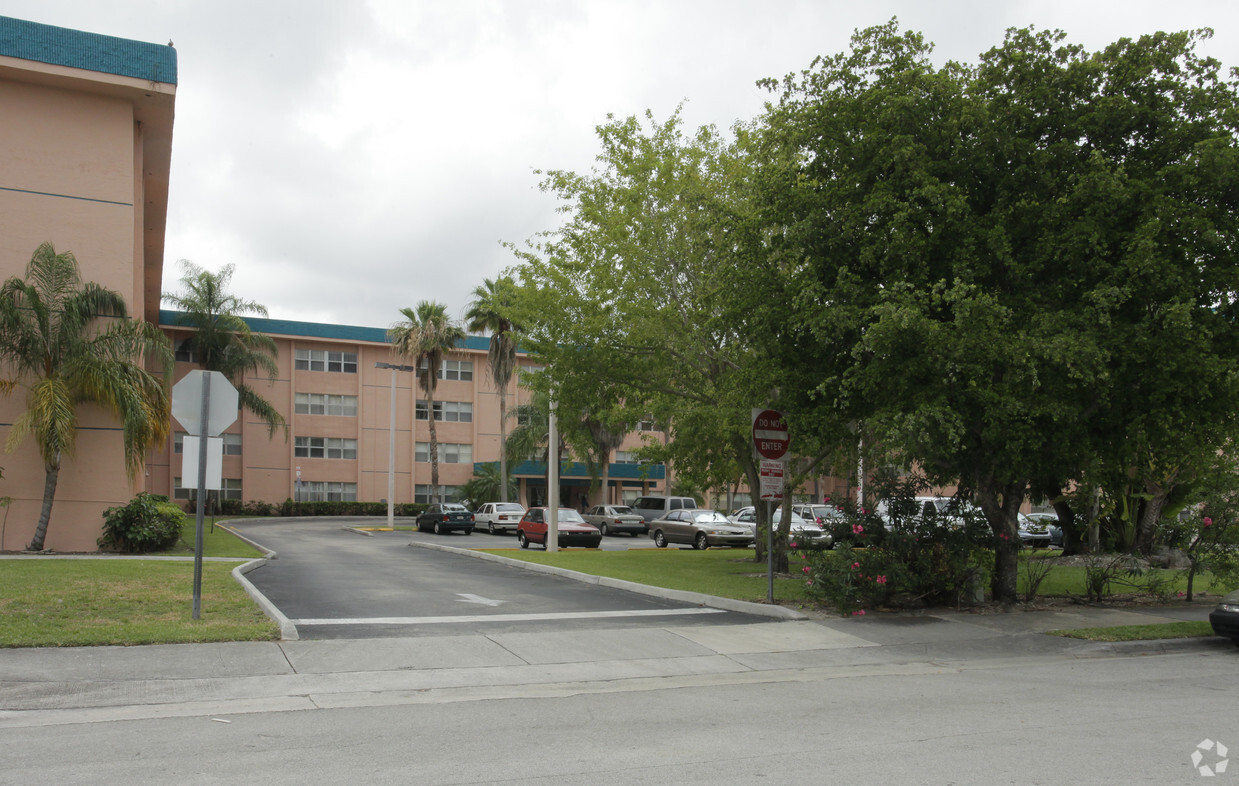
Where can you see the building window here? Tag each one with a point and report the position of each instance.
(325, 404)
(327, 491)
(449, 453)
(626, 457)
(324, 360)
(422, 494)
(461, 370)
(231, 490)
(450, 411)
(232, 443)
(185, 351)
(647, 425)
(325, 447)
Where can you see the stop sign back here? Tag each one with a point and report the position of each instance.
(769, 433)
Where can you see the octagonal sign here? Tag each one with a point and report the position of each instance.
(187, 402)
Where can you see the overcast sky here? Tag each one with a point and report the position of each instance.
(351, 158)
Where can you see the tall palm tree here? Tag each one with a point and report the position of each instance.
(487, 313)
(222, 340)
(423, 337)
(532, 436)
(71, 343)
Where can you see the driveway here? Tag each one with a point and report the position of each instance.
(333, 582)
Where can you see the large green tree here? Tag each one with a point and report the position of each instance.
(635, 296)
(488, 313)
(1016, 270)
(424, 336)
(70, 343)
(222, 340)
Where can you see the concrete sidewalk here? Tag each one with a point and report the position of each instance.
(55, 686)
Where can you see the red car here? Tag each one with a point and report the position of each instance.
(573, 531)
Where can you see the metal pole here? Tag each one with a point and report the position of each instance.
(391, 457)
(770, 551)
(552, 482)
(203, 431)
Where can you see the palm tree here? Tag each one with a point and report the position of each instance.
(223, 340)
(532, 436)
(487, 313)
(424, 337)
(72, 343)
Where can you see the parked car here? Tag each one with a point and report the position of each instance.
(616, 519)
(499, 516)
(702, 528)
(1037, 530)
(443, 517)
(656, 506)
(799, 530)
(573, 530)
(1225, 617)
(822, 515)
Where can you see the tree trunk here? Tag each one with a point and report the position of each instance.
(435, 496)
(1072, 539)
(1001, 506)
(503, 444)
(45, 513)
(1150, 514)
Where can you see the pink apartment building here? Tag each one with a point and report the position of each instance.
(85, 146)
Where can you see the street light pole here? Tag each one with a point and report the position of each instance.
(391, 443)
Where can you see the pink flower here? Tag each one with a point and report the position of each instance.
(855, 566)
(827, 499)
(808, 582)
(1179, 594)
(864, 511)
(805, 569)
(881, 579)
(858, 613)
(794, 544)
(857, 529)
(1208, 521)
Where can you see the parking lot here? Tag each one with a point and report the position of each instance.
(335, 582)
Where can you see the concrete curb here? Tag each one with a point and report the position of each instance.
(683, 596)
(288, 631)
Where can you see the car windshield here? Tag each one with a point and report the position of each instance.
(509, 507)
(709, 517)
(571, 516)
(455, 508)
(778, 516)
(622, 510)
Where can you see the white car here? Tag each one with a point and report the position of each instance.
(800, 531)
(499, 517)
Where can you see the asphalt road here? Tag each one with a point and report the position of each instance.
(334, 582)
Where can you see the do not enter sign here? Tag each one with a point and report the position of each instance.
(769, 433)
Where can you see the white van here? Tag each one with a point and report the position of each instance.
(655, 507)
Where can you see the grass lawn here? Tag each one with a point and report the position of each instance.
(217, 543)
(727, 573)
(88, 602)
(1166, 630)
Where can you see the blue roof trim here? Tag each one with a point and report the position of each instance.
(577, 469)
(288, 327)
(88, 51)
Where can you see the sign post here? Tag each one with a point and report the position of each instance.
(203, 416)
(770, 441)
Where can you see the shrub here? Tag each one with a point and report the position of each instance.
(148, 523)
(914, 558)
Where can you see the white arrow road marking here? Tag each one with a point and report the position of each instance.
(467, 598)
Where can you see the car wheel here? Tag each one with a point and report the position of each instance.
(521, 539)
(490, 527)
(702, 542)
(603, 529)
(660, 540)
(438, 528)
(469, 531)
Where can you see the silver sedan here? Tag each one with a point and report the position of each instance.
(701, 528)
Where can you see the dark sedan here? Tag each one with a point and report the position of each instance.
(445, 518)
(1225, 617)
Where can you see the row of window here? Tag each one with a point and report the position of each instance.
(325, 404)
(324, 447)
(232, 443)
(325, 360)
(449, 453)
(450, 411)
(231, 489)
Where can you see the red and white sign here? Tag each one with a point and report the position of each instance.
(771, 480)
(769, 433)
